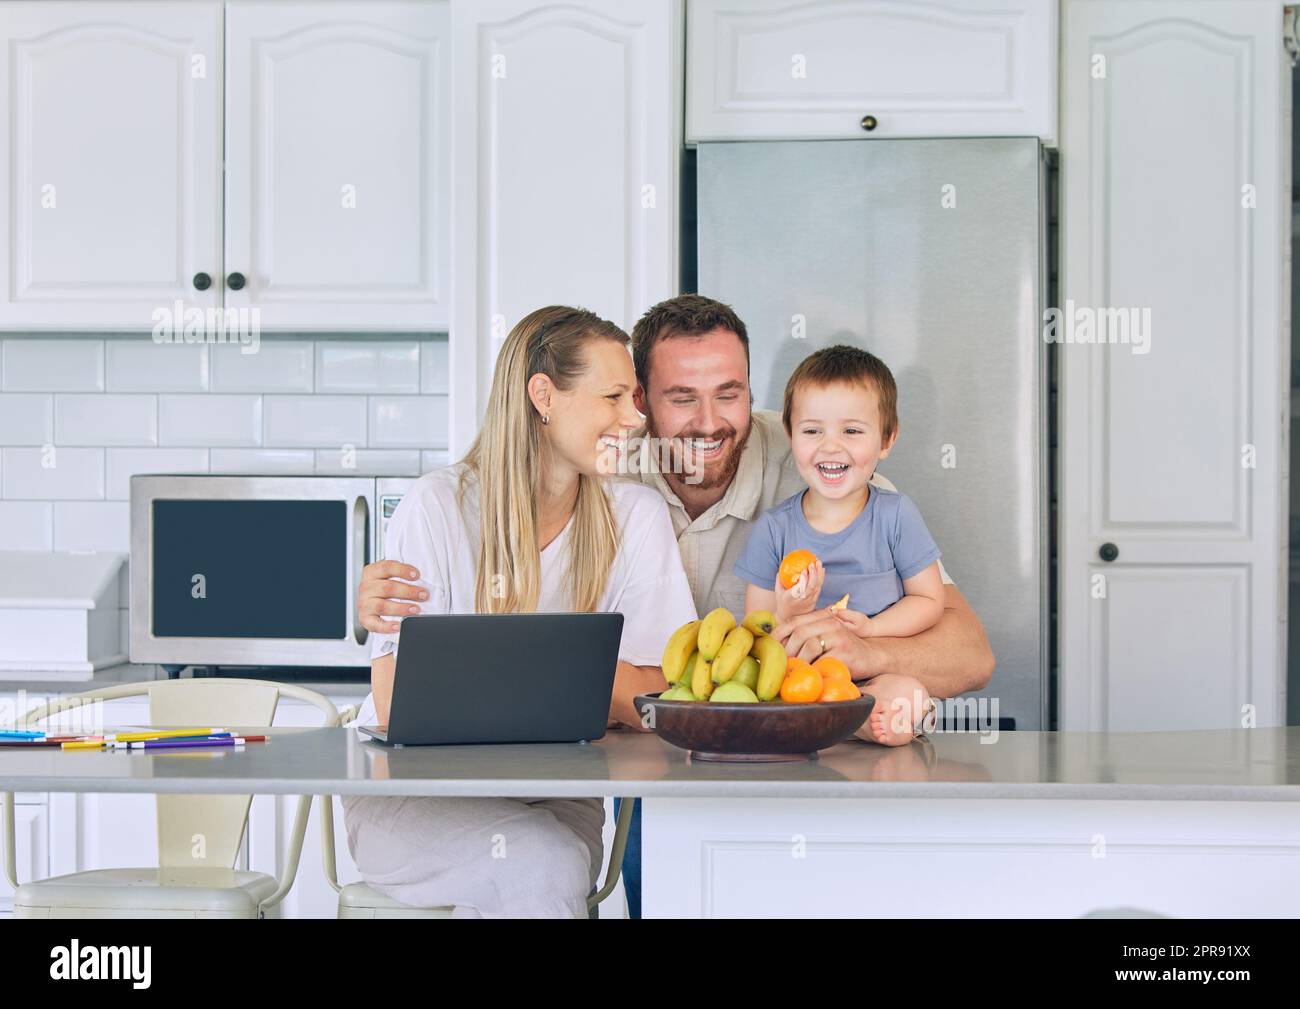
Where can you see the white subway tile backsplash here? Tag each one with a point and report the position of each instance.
(26, 525)
(209, 420)
(278, 366)
(92, 525)
(52, 473)
(315, 421)
(368, 462)
(124, 463)
(105, 419)
(345, 367)
(408, 421)
(290, 461)
(26, 418)
(435, 367)
(135, 365)
(52, 365)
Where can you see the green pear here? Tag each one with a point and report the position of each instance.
(733, 691)
(747, 673)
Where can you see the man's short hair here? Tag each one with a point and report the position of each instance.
(685, 315)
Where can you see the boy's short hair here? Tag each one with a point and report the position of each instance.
(685, 315)
(843, 363)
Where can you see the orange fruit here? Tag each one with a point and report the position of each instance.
(802, 685)
(839, 690)
(794, 564)
(832, 668)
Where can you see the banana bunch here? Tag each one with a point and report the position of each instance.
(716, 659)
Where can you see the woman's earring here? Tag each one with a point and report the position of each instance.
(546, 418)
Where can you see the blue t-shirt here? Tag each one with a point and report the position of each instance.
(868, 559)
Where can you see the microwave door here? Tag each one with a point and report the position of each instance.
(249, 571)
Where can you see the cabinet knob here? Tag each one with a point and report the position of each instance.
(235, 282)
(868, 123)
(202, 281)
(1108, 552)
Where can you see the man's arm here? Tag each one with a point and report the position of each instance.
(953, 657)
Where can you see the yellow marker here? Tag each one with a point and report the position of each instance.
(87, 745)
(140, 737)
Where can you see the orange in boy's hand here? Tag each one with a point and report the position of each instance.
(793, 564)
(802, 683)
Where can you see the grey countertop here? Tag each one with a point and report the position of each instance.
(1214, 765)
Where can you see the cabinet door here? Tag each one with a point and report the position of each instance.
(1173, 356)
(336, 164)
(31, 846)
(110, 162)
(566, 136)
(774, 70)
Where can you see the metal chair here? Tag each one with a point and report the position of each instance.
(181, 885)
(357, 900)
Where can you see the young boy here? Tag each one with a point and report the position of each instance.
(841, 415)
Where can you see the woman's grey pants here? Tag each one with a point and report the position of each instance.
(489, 858)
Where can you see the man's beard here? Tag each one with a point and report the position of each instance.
(720, 472)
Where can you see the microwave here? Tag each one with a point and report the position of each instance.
(257, 571)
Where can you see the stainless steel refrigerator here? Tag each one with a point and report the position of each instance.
(930, 254)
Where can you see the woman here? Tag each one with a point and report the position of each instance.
(525, 522)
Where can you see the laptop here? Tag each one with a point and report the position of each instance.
(502, 678)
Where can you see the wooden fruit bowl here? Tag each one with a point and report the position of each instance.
(767, 731)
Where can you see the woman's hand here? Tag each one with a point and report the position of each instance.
(802, 596)
(379, 590)
(629, 681)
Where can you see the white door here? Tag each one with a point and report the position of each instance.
(1175, 203)
(807, 69)
(110, 162)
(566, 145)
(336, 164)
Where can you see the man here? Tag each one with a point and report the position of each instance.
(691, 356)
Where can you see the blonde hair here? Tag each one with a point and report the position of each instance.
(506, 458)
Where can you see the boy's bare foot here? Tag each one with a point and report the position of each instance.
(889, 724)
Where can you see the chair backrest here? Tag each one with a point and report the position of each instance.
(200, 830)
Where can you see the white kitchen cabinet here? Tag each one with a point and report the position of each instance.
(777, 70)
(31, 845)
(332, 211)
(1175, 208)
(336, 198)
(566, 137)
(110, 161)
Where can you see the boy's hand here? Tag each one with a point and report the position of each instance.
(858, 623)
(802, 596)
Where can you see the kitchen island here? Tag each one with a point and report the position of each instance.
(1021, 823)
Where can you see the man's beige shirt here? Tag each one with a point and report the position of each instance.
(710, 545)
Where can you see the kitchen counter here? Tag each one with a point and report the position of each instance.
(1261, 765)
(1018, 824)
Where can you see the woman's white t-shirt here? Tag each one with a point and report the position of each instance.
(647, 584)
